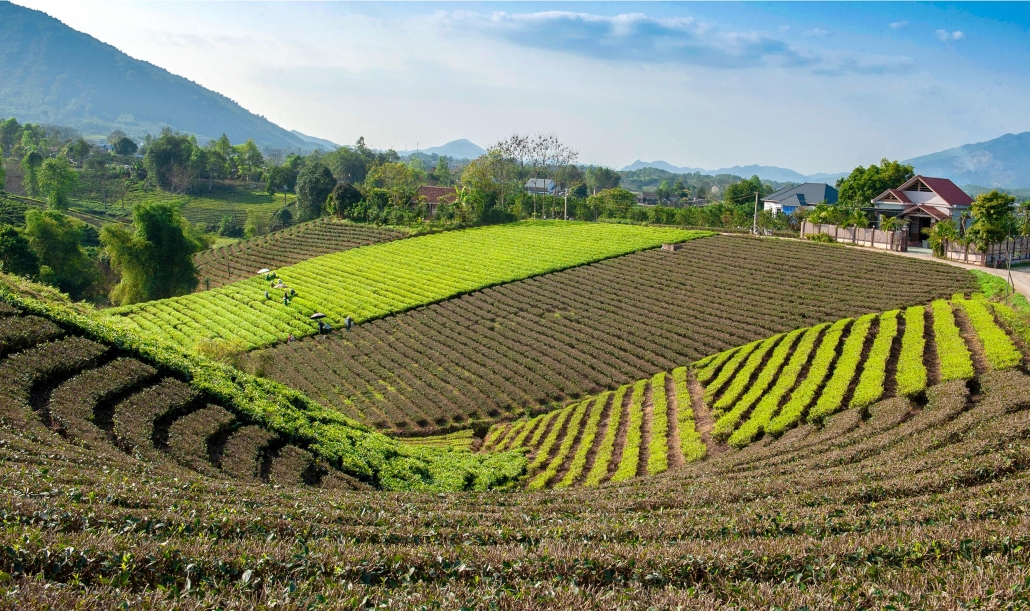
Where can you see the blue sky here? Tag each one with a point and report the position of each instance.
(817, 87)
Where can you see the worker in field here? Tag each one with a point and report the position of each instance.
(266, 295)
(321, 328)
(348, 322)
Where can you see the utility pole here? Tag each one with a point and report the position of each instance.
(754, 220)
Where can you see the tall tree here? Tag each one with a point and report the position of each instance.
(30, 168)
(314, 184)
(863, 184)
(3, 175)
(125, 146)
(16, 255)
(600, 178)
(168, 160)
(156, 260)
(56, 182)
(56, 238)
(994, 219)
(344, 198)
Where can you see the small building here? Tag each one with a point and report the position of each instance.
(647, 198)
(802, 197)
(540, 186)
(922, 201)
(434, 196)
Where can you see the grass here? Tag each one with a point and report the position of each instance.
(956, 362)
(374, 281)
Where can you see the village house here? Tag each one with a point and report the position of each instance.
(540, 186)
(434, 196)
(802, 197)
(922, 201)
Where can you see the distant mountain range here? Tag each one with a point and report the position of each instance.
(328, 145)
(1003, 163)
(455, 149)
(765, 172)
(50, 73)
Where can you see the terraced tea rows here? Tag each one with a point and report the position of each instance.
(904, 505)
(766, 387)
(221, 266)
(853, 364)
(381, 279)
(69, 389)
(68, 378)
(537, 343)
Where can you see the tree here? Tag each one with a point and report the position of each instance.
(79, 150)
(125, 146)
(249, 157)
(16, 255)
(993, 219)
(601, 178)
(314, 184)
(343, 199)
(283, 217)
(442, 174)
(742, 193)
(3, 175)
(30, 166)
(56, 238)
(1023, 222)
(10, 132)
(156, 260)
(168, 160)
(863, 184)
(115, 136)
(614, 203)
(56, 182)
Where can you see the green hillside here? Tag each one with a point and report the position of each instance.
(381, 279)
(50, 73)
(67, 374)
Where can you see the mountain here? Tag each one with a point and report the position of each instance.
(328, 145)
(765, 172)
(1002, 162)
(455, 149)
(50, 73)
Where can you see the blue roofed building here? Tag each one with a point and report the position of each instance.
(802, 197)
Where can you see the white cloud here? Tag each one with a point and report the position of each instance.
(897, 25)
(817, 32)
(945, 35)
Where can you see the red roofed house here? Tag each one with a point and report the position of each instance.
(923, 201)
(434, 196)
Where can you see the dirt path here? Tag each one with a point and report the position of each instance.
(645, 430)
(930, 361)
(703, 417)
(675, 452)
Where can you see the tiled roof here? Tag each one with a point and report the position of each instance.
(933, 211)
(436, 195)
(810, 193)
(948, 191)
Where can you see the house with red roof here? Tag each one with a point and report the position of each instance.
(922, 201)
(433, 197)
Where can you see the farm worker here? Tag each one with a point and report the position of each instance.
(266, 294)
(292, 292)
(286, 300)
(321, 328)
(348, 322)
(289, 340)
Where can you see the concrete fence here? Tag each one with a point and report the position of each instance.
(1018, 249)
(860, 236)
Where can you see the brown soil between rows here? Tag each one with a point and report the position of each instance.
(703, 417)
(645, 430)
(968, 333)
(620, 436)
(930, 360)
(602, 430)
